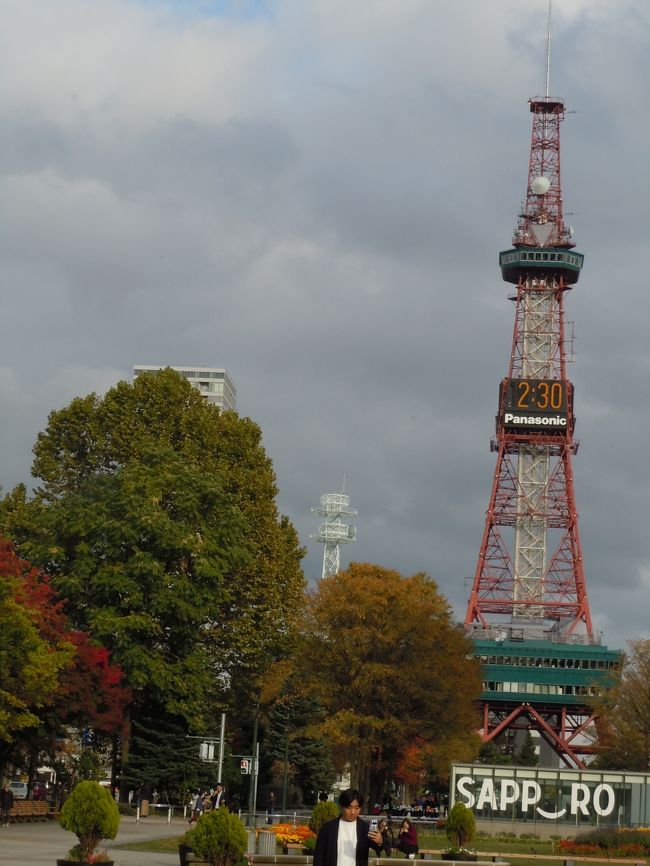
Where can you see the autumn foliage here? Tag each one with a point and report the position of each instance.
(84, 687)
(394, 675)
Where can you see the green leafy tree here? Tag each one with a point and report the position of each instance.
(287, 744)
(162, 754)
(624, 714)
(141, 556)
(382, 655)
(156, 517)
(99, 435)
(528, 757)
(490, 753)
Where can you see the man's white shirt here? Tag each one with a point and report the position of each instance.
(347, 844)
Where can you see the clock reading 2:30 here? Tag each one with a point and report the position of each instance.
(536, 395)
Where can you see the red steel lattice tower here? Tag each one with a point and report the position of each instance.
(528, 612)
(530, 569)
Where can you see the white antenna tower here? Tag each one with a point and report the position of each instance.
(548, 52)
(334, 507)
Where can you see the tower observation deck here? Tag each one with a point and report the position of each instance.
(528, 611)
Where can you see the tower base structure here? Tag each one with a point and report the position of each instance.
(544, 684)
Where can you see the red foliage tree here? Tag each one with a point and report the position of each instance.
(91, 690)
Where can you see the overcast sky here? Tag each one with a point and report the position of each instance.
(313, 194)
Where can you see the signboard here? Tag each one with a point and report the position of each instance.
(545, 795)
(526, 794)
(534, 404)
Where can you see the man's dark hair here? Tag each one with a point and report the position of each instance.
(346, 797)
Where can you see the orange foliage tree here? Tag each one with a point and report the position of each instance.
(395, 676)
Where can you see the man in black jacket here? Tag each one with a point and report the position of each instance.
(346, 840)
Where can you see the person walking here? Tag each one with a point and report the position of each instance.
(6, 803)
(346, 840)
(218, 796)
(145, 798)
(270, 806)
(197, 806)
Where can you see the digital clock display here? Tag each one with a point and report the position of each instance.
(538, 404)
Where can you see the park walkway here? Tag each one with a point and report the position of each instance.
(40, 844)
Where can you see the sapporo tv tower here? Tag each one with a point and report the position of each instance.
(528, 612)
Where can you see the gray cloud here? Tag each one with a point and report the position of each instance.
(315, 198)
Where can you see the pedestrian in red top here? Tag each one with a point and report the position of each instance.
(407, 839)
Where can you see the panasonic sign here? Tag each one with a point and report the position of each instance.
(512, 420)
(526, 794)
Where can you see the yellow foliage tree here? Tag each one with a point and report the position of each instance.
(624, 723)
(394, 674)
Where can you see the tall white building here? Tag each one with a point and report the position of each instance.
(213, 382)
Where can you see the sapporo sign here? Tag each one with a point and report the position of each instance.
(501, 795)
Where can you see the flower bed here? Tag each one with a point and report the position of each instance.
(291, 834)
(622, 843)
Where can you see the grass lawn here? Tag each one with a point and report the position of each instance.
(436, 841)
(427, 840)
(158, 846)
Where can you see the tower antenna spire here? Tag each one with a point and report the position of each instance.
(548, 51)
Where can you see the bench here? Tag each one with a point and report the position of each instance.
(386, 861)
(285, 859)
(29, 810)
(289, 859)
(567, 859)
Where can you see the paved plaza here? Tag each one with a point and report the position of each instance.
(40, 844)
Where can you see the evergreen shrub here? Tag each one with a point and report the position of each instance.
(323, 811)
(91, 813)
(219, 838)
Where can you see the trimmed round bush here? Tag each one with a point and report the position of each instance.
(219, 838)
(324, 811)
(461, 825)
(91, 813)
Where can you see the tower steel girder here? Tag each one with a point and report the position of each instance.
(560, 728)
(529, 583)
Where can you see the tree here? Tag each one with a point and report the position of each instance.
(87, 690)
(162, 754)
(287, 745)
(161, 409)
(624, 724)
(156, 518)
(140, 556)
(528, 757)
(490, 753)
(90, 690)
(383, 656)
(30, 664)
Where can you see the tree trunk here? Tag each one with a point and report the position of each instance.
(126, 742)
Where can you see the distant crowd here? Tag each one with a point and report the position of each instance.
(429, 808)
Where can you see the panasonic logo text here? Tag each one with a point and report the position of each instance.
(535, 420)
